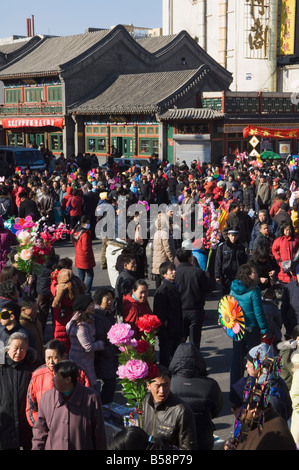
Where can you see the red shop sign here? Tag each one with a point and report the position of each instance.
(14, 123)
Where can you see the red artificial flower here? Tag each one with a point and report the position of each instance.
(153, 371)
(148, 323)
(142, 346)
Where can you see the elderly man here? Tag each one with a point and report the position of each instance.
(70, 415)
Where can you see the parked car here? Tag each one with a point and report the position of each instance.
(125, 163)
(13, 157)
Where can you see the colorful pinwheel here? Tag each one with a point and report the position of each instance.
(231, 317)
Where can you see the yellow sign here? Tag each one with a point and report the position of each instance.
(287, 27)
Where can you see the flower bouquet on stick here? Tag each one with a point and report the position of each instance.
(136, 359)
(34, 247)
(213, 222)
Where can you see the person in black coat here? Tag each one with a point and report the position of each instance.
(189, 381)
(193, 284)
(17, 363)
(125, 281)
(106, 361)
(230, 255)
(91, 199)
(27, 207)
(145, 190)
(290, 305)
(168, 308)
(43, 288)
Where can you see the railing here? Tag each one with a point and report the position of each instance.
(21, 109)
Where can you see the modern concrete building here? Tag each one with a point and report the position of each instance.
(254, 39)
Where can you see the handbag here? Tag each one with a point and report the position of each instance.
(286, 265)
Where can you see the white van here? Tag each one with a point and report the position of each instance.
(13, 157)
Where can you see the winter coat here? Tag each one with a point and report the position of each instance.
(163, 249)
(106, 360)
(63, 311)
(263, 194)
(45, 206)
(28, 207)
(287, 349)
(295, 220)
(113, 250)
(41, 381)
(34, 328)
(284, 249)
(201, 258)
(278, 396)
(73, 424)
(15, 431)
(64, 287)
(83, 344)
(172, 420)
(168, 308)
(6, 210)
(241, 220)
(274, 436)
(84, 258)
(7, 240)
(290, 305)
(229, 257)
(263, 269)
(201, 393)
(132, 310)
(248, 198)
(294, 393)
(123, 286)
(193, 285)
(250, 302)
(273, 228)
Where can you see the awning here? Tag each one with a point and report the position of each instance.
(16, 123)
(273, 133)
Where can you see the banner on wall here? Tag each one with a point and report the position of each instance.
(15, 123)
(287, 27)
(271, 133)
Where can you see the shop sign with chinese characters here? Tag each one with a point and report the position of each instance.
(287, 27)
(258, 27)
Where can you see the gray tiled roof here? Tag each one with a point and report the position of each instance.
(136, 93)
(191, 113)
(52, 53)
(155, 43)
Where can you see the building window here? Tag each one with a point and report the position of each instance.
(55, 94)
(56, 142)
(12, 96)
(96, 144)
(34, 95)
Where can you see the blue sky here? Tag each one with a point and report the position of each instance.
(66, 17)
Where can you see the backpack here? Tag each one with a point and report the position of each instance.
(68, 207)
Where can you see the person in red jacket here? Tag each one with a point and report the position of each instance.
(73, 201)
(136, 305)
(284, 248)
(42, 378)
(84, 257)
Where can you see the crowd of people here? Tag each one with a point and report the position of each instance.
(52, 394)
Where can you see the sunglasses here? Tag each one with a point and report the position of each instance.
(5, 314)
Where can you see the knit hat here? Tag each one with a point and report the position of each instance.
(261, 351)
(82, 302)
(187, 245)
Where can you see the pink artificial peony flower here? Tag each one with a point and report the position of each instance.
(133, 370)
(26, 255)
(121, 372)
(120, 333)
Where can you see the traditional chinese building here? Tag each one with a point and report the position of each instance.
(87, 92)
